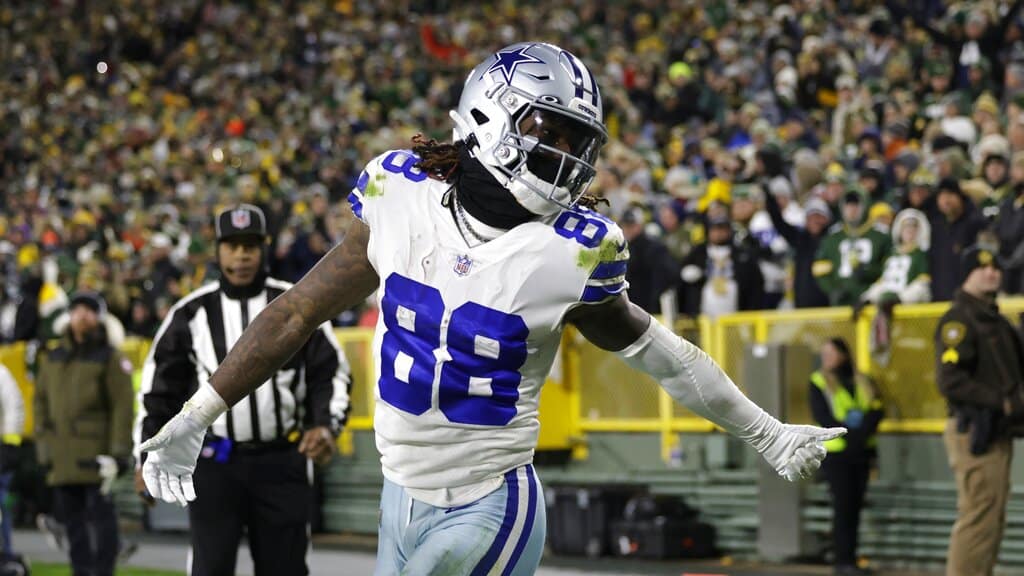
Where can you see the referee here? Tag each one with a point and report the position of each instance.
(253, 472)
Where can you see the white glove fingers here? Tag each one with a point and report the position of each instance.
(811, 459)
(807, 454)
(165, 488)
(824, 434)
(804, 462)
(151, 476)
(810, 468)
(820, 452)
(175, 483)
(816, 432)
(188, 487)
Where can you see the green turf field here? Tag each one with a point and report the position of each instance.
(64, 570)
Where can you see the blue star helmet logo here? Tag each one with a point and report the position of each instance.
(506, 62)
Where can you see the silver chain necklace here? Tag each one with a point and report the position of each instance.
(463, 222)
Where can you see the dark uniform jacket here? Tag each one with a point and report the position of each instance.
(83, 408)
(311, 389)
(980, 363)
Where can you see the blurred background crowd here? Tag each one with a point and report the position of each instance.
(763, 154)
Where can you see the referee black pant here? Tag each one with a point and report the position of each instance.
(265, 492)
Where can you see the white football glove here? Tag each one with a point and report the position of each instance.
(794, 451)
(173, 451)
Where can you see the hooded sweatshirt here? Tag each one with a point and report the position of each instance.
(905, 275)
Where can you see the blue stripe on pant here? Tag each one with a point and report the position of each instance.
(501, 533)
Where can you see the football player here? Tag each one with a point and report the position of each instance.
(481, 251)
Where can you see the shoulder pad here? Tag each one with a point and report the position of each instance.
(603, 251)
(373, 180)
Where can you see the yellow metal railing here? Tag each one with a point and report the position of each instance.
(614, 398)
(591, 390)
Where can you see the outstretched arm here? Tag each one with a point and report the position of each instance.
(612, 325)
(785, 229)
(694, 380)
(343, 278)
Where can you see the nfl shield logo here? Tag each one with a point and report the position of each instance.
(240, 219)
(462, 265)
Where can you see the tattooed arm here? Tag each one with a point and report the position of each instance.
(342, 279)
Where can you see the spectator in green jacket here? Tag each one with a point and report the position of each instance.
(83, 409)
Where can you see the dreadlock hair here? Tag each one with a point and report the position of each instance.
(441, 161)
(438, 160)
(591, 202)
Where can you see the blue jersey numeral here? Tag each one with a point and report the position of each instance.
(412, 314)
(479, 385)
(404, 163)
(587, 230)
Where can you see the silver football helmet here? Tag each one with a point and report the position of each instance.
(531, 114)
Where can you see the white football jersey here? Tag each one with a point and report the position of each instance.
(467, 335)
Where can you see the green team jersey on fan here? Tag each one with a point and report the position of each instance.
(467, 334)
(849, 260)
(905, 278)
(901, 271)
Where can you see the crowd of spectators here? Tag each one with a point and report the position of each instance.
(763, 154)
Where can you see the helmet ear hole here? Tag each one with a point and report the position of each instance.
(479, 116)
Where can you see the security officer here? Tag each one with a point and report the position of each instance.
(254, 471)
(840, 396)
(980, 371)
(83, 421)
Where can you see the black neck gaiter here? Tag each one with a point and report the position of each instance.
(484, 198)
(244, 292)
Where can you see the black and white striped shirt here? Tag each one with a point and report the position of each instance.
(311, 389)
